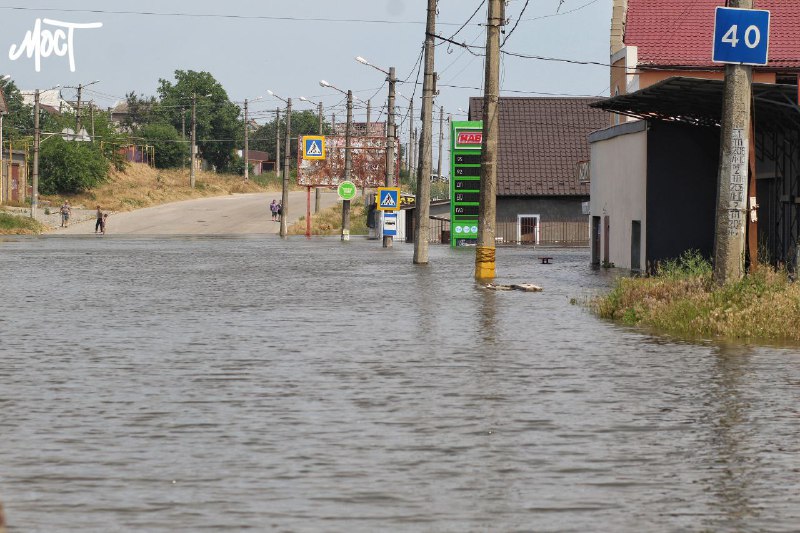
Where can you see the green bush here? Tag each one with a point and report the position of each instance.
(170, 152)
(70, 167)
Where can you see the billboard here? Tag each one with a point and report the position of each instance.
(368, 169)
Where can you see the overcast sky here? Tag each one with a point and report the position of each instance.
(250, 46)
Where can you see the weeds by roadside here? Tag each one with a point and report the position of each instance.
(19, 225)
(682, 299)
(329, 221)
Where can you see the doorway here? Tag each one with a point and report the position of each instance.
(528, 229)
(636, 245)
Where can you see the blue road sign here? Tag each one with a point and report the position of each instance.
(388, 198)
(741, 36)
(390, 224)
(313, 147)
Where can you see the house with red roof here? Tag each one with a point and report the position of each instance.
(653, 172)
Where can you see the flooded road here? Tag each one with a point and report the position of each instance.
(225, 384)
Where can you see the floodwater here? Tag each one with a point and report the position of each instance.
(226, 384)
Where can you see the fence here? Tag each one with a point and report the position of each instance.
(547, 232)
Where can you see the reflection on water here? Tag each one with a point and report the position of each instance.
(224, 384)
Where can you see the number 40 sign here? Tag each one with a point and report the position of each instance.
(741, 36)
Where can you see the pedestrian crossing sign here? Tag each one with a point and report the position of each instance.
(313, 147)
(388, 198)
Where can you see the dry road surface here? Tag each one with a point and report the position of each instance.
(236, 214)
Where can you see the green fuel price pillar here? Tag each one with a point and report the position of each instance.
(465, 181)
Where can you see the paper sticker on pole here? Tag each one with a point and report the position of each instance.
(741, 36)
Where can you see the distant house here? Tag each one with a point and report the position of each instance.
(542, 143)
(654, 171)
(259, 161)
(49, 101)
(13, 171)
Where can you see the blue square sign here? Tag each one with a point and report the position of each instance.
(741, 36)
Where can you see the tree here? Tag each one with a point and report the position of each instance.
(141, 110)
(219, 129)
(303, 123)
(18, 122)
(69, 166)
(170, 150)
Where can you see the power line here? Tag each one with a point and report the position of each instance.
(508, 35)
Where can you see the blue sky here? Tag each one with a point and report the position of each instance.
(251, 46)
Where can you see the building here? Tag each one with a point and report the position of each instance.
(654, 171)
(542, 143)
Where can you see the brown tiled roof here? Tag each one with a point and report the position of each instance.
(541, 142)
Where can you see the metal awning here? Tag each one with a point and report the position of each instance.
(699, 101)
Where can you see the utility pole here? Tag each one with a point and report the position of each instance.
(732, 182)
(333, 123)
(36, 140)
(194, 140)
(391, 134)
(410, 154)
(278, 142)
(246, 154)
(91, 112)
(317, 190)
(487, 210)
(183, 134)
(78, 111)
(369, 117)
(286, 159)
(441, 142)
(422, 212)
(348, 165)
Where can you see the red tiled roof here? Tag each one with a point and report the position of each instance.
(680, 32)
(541, 142)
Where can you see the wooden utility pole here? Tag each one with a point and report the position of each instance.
(441, 143)
(732, 182)
(194, 140)
(317, 190)
(422, 221)
(36, 140)
(348, 165)
(487, 211)
(246, 154)
(286, 169)
(391, 139)
(278, 142)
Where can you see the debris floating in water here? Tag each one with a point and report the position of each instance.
(526, 287)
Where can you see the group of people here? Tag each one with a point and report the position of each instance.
(276, 209)
(99, 226)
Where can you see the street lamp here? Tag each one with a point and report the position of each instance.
(192, 155)
(3, 112)
(285, 185)
(246, 131)
(348, 158)
(391, 132)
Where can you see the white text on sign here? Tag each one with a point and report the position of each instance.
(39, 43)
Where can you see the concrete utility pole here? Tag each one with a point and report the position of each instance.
(183, 134)
(36, 140)
(422, 221)
(411, 149)
(278, 142)
(317, 190)
(246, 154)
(194, 140)
(286, 169)
(487, 211)
(732, 182)
(348, 165)
(391, 135)
(78, 106)
(369, 117)
(441, 143)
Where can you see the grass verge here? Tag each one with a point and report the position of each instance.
(19, 225)
(681, 299)
(329, 221)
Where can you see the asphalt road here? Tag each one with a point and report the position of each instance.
(237, 214)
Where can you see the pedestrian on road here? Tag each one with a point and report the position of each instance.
(99, 223)
(103, 223)
(66, 211)
(273, 207)
(280, 212)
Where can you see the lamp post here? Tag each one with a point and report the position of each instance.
(246, 131)
(3, 112)
(36, 140)
(318, 191)
(285, 181)
(391, 133)
(193, 155)
(348, 158)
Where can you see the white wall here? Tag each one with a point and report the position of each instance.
(619, 187)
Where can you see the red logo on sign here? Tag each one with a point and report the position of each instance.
(475, 137)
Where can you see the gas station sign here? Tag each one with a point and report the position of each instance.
(465, 181)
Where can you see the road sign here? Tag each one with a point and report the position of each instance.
(465, 182)
(368, 169)
(741, 36)
(313, 147)
(388, 198)
(390, 224)
(347, 190)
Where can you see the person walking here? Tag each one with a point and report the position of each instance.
(280, 212)
(98, 225)
(273, 207)
(66, 211)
